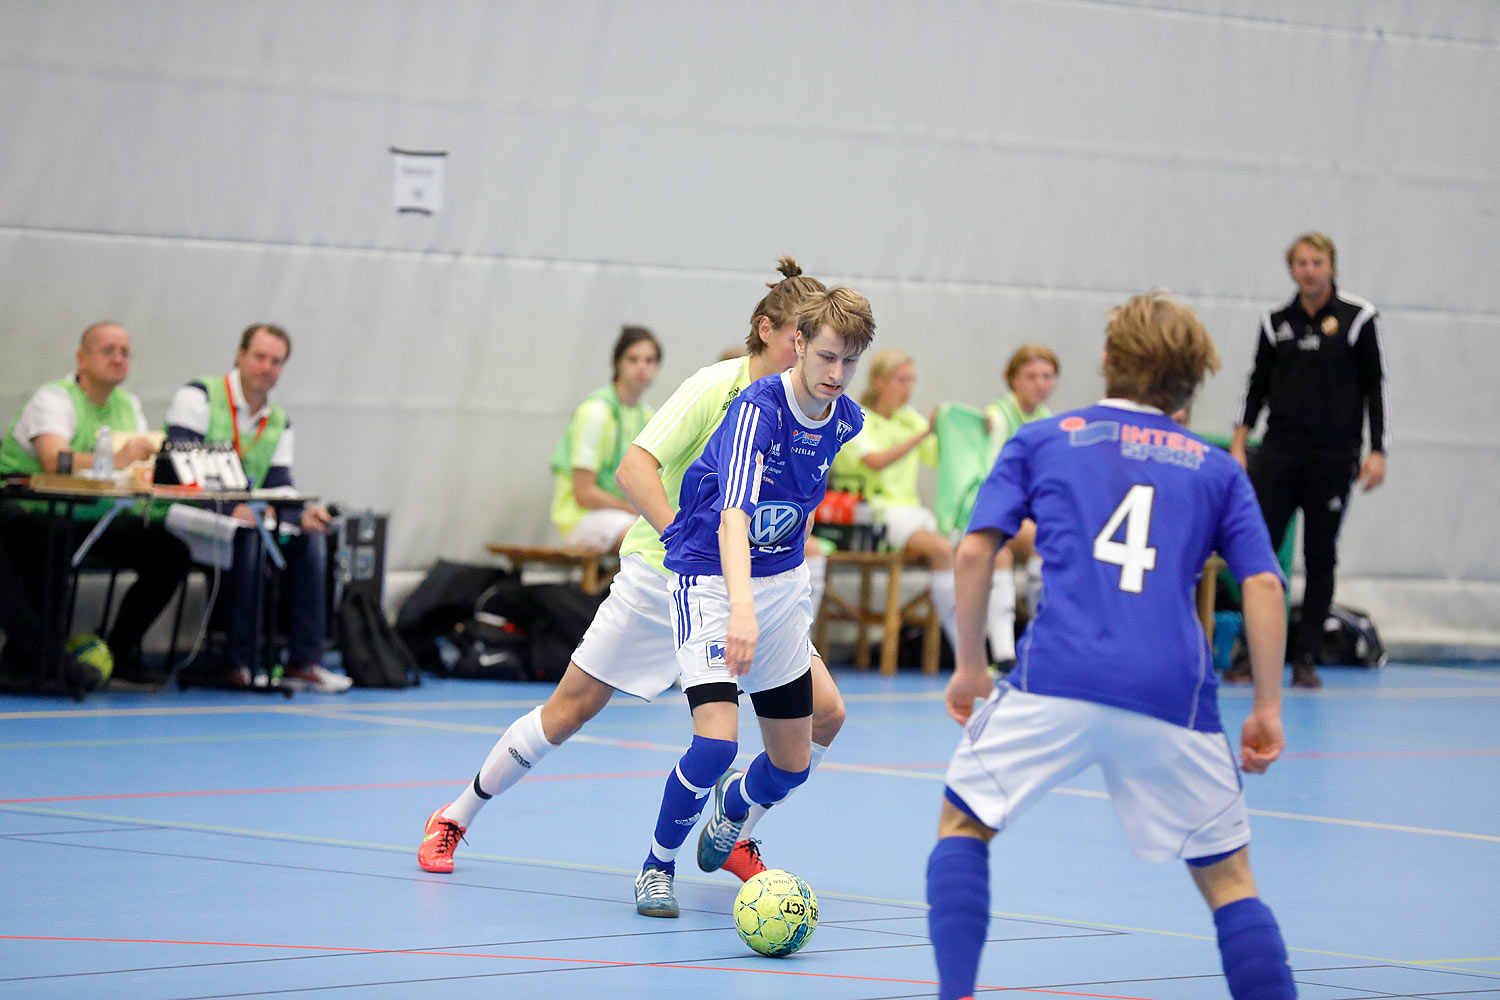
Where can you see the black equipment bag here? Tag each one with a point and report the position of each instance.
(480, 622)
(373, 654)
(1349, 638)
(447, 598)
(554, 617)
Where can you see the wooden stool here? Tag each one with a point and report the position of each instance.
(891, 617)
(597, 568)
(1207, 585)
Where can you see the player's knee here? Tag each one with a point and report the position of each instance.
(573, 703)
(828, 716)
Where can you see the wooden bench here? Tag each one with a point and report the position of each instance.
(596, 569)
(890, 617)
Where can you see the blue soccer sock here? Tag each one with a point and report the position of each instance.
(682, 799)
(1253, 953)
(763, 783)
(958, 892)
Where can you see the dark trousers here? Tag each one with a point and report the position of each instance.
(159, 559)
(305, 597)
(19, 618)
(1318, 485)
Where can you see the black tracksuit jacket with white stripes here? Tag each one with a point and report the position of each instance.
(1320, 375)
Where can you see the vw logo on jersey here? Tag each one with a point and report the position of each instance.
(773, 521)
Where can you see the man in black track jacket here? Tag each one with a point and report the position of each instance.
(1319, 370)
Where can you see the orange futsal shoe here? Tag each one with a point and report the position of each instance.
(744, 861)
(439, 841)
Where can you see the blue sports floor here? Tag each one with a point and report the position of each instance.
(216, 844)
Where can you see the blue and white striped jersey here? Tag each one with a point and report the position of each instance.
(768, 459)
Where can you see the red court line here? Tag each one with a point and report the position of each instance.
(316, 788)
(552, 959)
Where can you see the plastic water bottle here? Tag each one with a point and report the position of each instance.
(104, 454)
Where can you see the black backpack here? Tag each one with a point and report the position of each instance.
(554, 617)
(1349, 638)
(374, 655)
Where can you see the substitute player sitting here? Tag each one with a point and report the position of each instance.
(741, 603)
(588, 506)
(1115, 670)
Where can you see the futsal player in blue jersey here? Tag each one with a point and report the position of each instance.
(741, 600)
(1115, 670)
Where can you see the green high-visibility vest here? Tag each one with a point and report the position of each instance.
(257, 454)
(117, 413)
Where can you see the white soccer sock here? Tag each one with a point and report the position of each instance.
(1002, 616)
(944, 600)
(512, 758)
(817, 572)
(757, 811)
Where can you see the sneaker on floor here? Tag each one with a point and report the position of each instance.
(316, 678)
(653, 893)
(439, 841)
(1304, 674)
(744, 861)
(720, 833)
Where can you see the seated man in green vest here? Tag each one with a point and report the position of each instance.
(67, 416)
(236, 408)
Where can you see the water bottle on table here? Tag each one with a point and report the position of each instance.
(104, 454)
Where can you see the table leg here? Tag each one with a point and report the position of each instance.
(861, 636)
(932, 639)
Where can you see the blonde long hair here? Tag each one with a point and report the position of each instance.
(882, 366)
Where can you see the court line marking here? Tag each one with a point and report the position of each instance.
(898, 771)
(1437, 964)
(316, 788)
(148, 741)
(1480, 686)
(583, 962)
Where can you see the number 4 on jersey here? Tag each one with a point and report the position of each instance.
(1134, 556)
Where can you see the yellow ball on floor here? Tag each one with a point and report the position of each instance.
(94, 651)
(775, 913)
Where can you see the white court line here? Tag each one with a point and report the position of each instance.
(357, 713)
(934, 776)
(405, 849)
(1491, 690)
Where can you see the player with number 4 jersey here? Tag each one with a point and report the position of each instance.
(1115, 670)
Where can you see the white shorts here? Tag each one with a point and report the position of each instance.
(600, 530)
(783, 610)
(1176, 792)
(903, 522)
(629, 643)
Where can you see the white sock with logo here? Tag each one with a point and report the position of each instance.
(944, 599)
(757, 811)
(511, 759)
(1002, 616)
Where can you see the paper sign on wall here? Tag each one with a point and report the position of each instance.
(418, 181)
